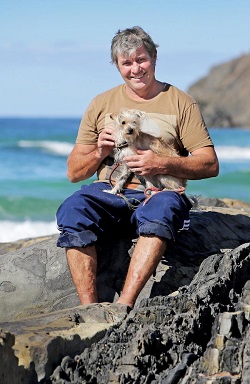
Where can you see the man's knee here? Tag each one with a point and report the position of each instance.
(163, 215)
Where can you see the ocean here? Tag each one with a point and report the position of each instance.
(33, 154)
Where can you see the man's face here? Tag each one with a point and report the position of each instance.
(138, 70)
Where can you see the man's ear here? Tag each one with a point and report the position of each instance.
(155, 58)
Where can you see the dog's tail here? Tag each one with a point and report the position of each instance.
(194, 200)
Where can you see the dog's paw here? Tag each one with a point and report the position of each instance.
(109, 191)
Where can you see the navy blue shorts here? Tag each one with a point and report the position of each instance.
(91, 213)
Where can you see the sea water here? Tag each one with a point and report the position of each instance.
(33, 155)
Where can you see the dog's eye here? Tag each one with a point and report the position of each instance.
(123, 122)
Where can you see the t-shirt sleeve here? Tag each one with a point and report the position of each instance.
(88, 133)
(193, 131)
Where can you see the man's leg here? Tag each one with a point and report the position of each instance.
(146, 256)
(83, 264)
(158, 221)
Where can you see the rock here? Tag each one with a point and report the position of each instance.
(183, 324)
(32, 348)
(36, 279)
(200, 335)
(15, 245)
(224, 94)
(237, 204)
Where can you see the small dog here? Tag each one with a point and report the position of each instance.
(129, 137)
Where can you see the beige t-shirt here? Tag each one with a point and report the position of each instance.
(172, 112)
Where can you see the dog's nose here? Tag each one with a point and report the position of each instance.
(130, 131)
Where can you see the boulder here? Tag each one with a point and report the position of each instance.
(174, 330)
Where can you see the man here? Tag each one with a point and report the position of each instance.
(91, 212)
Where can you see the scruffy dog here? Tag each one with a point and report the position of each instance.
(129, 137)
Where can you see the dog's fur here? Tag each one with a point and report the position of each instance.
(128, 138)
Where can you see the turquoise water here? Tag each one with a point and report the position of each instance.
(33, 180)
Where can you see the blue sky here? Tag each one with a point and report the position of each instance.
(55, 54)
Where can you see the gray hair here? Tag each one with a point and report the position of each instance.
(126, 41)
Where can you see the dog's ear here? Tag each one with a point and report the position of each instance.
(139, 114)
(142, 114)
(151, 127)
(113, 116)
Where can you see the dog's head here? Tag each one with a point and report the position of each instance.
(128, 124)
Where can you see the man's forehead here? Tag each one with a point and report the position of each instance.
(138, 52)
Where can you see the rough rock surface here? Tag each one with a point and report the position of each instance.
(224, 94)
(200, 335)
(31, 348)
(190, 323)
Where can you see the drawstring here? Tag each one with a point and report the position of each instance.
(116, 165)
(131, 206)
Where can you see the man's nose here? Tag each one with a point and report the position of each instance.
(135, 67)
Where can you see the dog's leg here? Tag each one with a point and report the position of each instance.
(151, 182)
(120, 182)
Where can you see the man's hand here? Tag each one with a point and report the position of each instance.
(84, 159)
(106, 142)
(145, 162)
(201, 164)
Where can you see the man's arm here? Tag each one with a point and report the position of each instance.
(202, 163)
(84, 160)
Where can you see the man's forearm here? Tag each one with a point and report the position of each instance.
(191, 167)
(82, 167)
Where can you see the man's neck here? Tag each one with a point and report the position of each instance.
(145, 94)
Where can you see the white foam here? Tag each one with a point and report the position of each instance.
(12, 231)
(64, 148)
(232, 152)
(56, 147)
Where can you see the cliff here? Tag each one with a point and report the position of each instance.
(224, 94)
(191, 322)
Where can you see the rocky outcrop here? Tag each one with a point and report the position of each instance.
(198, 335)
(224, 94)
(191, 321)
(31, 348)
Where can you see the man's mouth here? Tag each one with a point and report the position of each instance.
(138, 77)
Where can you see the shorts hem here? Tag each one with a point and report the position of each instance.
(156, 229)
(77, 239)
